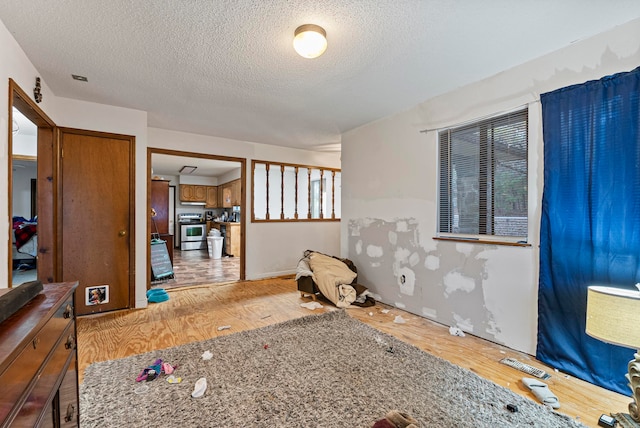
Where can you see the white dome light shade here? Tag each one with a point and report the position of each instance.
(310, 41)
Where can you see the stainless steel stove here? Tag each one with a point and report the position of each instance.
(193, 231)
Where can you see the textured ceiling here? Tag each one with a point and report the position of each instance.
(165, 166)
(227, 67)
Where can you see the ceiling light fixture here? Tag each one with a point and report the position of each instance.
(187, 169)
(310, 41)
(79, 78)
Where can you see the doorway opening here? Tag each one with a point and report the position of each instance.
(24, 223)
(204, 224)
(33, 250)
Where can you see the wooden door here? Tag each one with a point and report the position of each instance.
(160, 204)
(97, 229)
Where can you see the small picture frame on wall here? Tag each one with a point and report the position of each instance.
(97, 295)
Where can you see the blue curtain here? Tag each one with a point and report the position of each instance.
(590, 231)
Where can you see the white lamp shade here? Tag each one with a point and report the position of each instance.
(310, 41)
(613, 315)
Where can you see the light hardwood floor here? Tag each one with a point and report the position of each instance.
(194, 313)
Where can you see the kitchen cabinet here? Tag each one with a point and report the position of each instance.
(236, 192)
(160, 204)
(220, 198)
(193, 193)
(212, 197)
(200, 193)
(232, 243)
(232, 237)
(38, 361)
(231, 193)
(226, 196)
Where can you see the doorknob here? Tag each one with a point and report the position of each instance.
(122, 233)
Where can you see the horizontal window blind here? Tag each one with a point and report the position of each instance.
(483, 177)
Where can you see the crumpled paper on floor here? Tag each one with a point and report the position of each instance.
(455, 331)
(399, 320)
(311, 305)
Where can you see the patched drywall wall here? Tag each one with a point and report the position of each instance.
(449, 283)
(390, 198)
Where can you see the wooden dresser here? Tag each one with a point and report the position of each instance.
(38, 361)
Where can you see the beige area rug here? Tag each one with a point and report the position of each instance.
(324, 370)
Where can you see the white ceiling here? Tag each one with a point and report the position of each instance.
(22, 125)
(167, 165)
(227, 67)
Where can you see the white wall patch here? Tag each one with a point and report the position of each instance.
(374, 251)
(402, 255)
(455, 281)
(432, 262)
(414, 259)
(402, 226)
(463, 324)
(399, 305)
(492, 328)
(359, 247)
(354, 228)
(430, 313)
(406, 281)
(393, 238)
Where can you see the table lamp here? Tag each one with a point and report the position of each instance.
(613, 316)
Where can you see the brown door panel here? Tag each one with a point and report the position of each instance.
(96, 217)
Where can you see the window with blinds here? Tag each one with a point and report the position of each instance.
(483, 177)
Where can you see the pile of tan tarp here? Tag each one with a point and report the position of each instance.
(333, 279)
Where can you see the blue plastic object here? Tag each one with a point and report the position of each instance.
(157, 295)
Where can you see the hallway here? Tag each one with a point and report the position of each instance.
(195, 267)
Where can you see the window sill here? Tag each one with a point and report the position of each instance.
(481, 241)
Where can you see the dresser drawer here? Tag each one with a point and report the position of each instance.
(26, 368)
(44, 390)
(68, 396)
